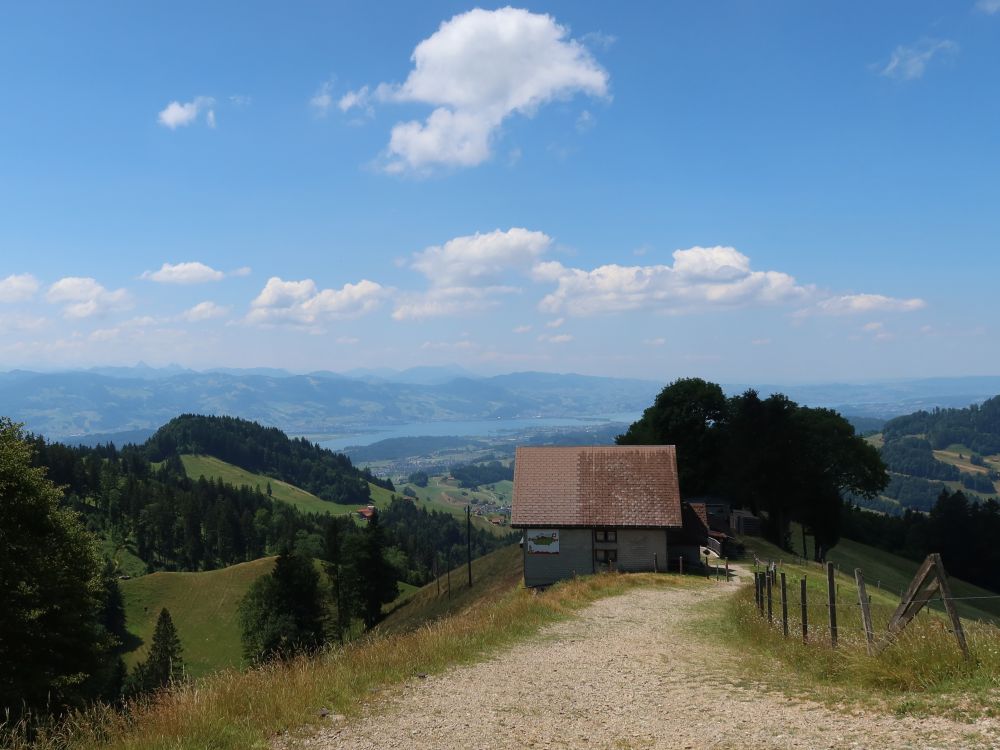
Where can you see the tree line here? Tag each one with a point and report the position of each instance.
(976, 426)
(964, 532)
(790, 462)
(471, 476)
(169, 521)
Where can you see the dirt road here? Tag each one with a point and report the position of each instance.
(625, 674)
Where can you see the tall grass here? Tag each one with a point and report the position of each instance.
(236, 709)
(921, 671)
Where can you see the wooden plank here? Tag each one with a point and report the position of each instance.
(949, 605)
(925, 570)
(866, 612)
(914, 606)
(831, 598)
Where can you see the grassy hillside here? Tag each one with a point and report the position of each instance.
(442, 493)
(493, 575)
(213, 468)
(203, 607)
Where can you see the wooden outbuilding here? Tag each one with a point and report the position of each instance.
(590, 508)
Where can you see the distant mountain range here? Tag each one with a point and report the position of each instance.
(105, 402)
(70, 404)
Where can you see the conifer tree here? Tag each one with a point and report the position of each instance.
(165, 664)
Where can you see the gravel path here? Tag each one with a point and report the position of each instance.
(625, 674)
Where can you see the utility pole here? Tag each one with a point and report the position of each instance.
(468, 540)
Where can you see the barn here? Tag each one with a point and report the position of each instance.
(585, 509)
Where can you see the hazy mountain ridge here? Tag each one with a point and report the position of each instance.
(61, 405)
(113, 400)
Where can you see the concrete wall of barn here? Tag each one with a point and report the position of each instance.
(575, 557)
(635, 549)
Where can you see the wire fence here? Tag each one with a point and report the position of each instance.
(821, 608)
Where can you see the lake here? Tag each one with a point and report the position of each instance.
(475, 428)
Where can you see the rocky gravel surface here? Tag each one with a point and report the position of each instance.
(626, 673)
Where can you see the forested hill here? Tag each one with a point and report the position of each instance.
(944, 449)
(977, 427)
(265, 450)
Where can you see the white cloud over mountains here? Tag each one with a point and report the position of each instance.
(700, 278)
(302, 303)
(469, 273)
(84, 297)
(476, 70)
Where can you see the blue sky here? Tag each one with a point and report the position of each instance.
(777, 192)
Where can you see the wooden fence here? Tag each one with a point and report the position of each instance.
(828, 616)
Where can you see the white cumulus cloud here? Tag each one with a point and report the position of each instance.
(908, 62)
(700, 278)
(83, 297)
(322, 100)
(184, 273)
(856, 304)
(476, 70)
(303, 303)
(18, 287)
(467, 274)
(204, 311)
(561, 338)
(181, 114)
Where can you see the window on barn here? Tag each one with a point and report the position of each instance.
(606, 555)
(605, 535)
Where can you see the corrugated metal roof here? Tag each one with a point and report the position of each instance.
(616, 486)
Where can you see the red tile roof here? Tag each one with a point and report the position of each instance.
(616, 486)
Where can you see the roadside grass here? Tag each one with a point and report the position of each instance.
(922, 673)
(238, 710)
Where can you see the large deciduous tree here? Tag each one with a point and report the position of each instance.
(687, 413)
(794, 463)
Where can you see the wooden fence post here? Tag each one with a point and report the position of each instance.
(727, 570)
(831, 596)
(949, 605)
(655, 570)
(805, 612)
(770, 617)
(784, 605)
(866, 612)
(760, 593)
